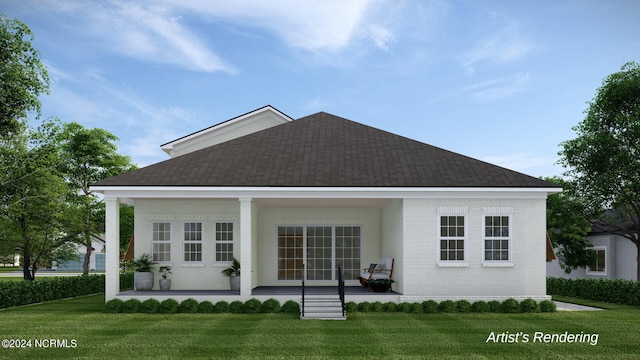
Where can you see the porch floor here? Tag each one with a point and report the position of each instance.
(263, 291)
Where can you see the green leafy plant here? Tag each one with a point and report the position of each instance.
(188, 306)
(143, 264)
(233, 269)
(164, 271)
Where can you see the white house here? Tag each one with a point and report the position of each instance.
(278, 193)
(616, 258)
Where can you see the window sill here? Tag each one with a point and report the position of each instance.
(446, 264)
(497, 264)
(198, 265)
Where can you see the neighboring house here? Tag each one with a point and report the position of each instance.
(277, 193)
(96, 261)
(616, 258)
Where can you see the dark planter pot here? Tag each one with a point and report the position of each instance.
(379, 287)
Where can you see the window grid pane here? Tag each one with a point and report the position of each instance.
(452, 232)
(348, 251)
(193, 242)
(290, 254)
(161, 241)
(224, 242)
(496, 244)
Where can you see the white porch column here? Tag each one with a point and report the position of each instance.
(112, 239)
(245, 247)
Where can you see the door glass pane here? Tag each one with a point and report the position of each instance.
(290, 252)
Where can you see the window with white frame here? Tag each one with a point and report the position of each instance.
(452, 238)
(497, 238)
(192, 242)
(161, 241)
(598, 265)
(224, 241)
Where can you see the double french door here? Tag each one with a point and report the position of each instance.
(322, 248)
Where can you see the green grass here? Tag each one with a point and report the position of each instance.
(363, 335)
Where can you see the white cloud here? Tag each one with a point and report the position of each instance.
(498, 88)
(505, 43)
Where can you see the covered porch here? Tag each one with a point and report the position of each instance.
(257, 242)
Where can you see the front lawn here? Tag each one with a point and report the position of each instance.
(87, 332)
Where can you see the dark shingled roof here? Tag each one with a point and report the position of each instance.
(323, 150)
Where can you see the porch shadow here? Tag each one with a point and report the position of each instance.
(316, 290)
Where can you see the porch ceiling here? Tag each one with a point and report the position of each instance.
(320, 203)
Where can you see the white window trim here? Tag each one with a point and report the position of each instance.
(497, 263)
(606, 262)
(171, 230)
(184, 241)
(452, 263)
(215, 241)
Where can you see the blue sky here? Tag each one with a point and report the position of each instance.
(501, 81)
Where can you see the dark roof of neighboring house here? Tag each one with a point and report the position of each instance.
(324, 150)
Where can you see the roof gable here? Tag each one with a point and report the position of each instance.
(323, 150)
(256, 120)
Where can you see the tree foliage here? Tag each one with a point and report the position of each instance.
(603, 161)
(568, 227)
(89, 155)
(23, 76)
(33, 206)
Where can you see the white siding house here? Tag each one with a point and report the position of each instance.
(323, 191)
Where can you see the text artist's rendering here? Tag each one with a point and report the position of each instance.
(323, 197)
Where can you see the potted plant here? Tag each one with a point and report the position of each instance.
(233, 272)
(380, 285)
(165, 284)
(143, 272)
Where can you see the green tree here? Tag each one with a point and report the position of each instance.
(23, 77)
(33, 207)
(568, 227)
(603, 161)
(89, 155)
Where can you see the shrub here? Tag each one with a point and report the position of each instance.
(188, 306)
(429, 306)
(463, 306)
(390, 306)
(364, 306)
(404, 307)
(625, 292)
(168, 306)
(351, 307)
(547, 306)
(510, 306)
(236, 307)
(150, 306)
(495, 306)
(16, 293)
(270, 306)
(221, 307)
(131, 306)
(377, 307)
(126, 281)
(480, 306)
(447, 306)
(252, 306)
(205, 307)
(529, 306)
(291, 307)
(416, 308)
(113, 306)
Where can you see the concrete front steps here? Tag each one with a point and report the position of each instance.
(322, 307)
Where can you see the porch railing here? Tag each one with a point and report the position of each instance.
(341, 286)
(303, 276)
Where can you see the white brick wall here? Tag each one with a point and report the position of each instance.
(424, 278)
